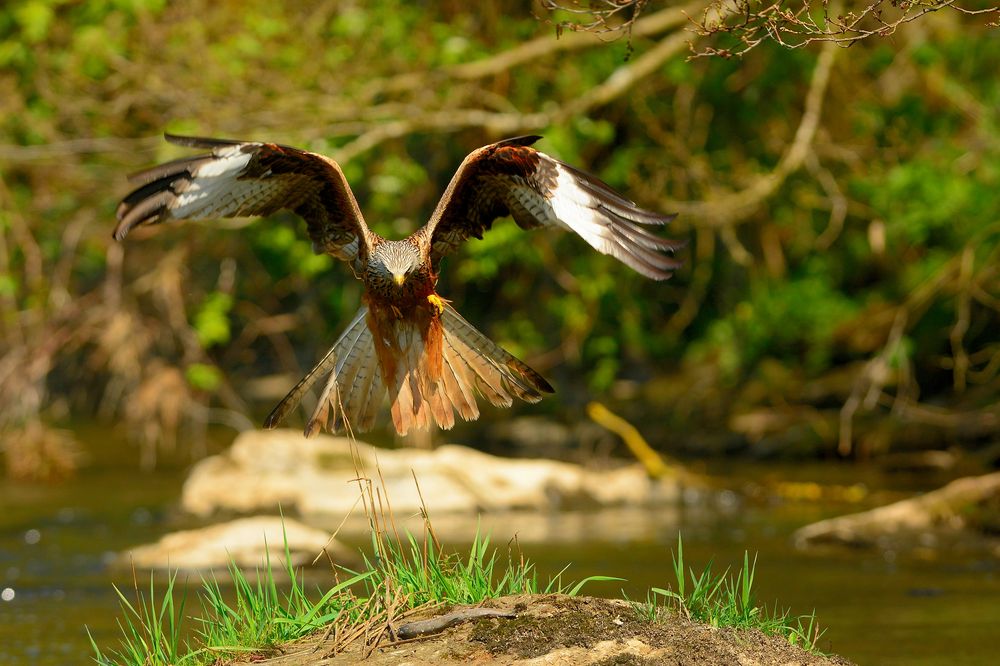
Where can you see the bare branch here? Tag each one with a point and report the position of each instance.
(654, 24)
(736, 206)
(505, 123)
(748, 23)
(603, 17)
(540, 47)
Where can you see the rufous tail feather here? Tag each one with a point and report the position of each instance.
(428, 387)
(433, 369)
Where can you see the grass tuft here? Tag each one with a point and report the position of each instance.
(151, 631)
(427, 575)
(254, 614)
(720, 600)
(260, 617)
(244, 614)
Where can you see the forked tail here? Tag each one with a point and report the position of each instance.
(432, 371)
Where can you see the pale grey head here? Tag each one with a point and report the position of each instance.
(392, 264)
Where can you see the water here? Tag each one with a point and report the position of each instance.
(878, 608)
(56, 541)
(923, 606)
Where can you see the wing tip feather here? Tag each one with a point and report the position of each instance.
(525, 140)
(200, 141)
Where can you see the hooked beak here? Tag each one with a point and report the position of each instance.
(399, 278)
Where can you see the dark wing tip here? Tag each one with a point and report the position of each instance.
(120, 232)
(665, 218)
(525, 140)
(282, 409)
(313, 428)
(273, 420)
(679, 244)
(146, 205)
(535, 380)
(199, 141)
(126, 224)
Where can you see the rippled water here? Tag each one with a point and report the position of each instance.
(924, 606)
(55, 543)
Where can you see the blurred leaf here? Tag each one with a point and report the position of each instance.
(34, 17)
(211, 323)
(203, 377)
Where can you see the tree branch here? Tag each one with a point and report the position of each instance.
(507, 123)
(751, 22)
(737, 206)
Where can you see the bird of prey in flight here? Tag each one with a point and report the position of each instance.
(405, 339)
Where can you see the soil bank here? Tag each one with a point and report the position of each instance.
(554, 629)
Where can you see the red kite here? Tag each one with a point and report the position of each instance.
(405, 338)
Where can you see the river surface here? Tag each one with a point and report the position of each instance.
(922, 605)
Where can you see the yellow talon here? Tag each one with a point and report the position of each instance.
(437, 303)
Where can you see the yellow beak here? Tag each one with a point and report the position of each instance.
(399, 278)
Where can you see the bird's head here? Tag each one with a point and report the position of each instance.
(394, 262)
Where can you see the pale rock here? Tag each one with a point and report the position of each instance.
(505, 484)
(627, 485)
(263, 470)
(247, 542)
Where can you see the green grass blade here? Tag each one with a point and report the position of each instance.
(575, 590)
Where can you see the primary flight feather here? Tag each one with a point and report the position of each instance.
(405, 339)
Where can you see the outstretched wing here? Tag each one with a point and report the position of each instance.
(245, 178)
(511, 178)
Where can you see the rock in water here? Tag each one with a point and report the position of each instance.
(263, 470)
(248, 542)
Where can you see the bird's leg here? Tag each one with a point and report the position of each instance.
(396, 311)
(437, 303)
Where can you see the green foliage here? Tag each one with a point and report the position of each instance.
(425, 574)
(203, 377)
(151, 631)
(793, 319)
(719, 600)
(211, 323)
(284, 248)
(908, 140)
(245, 616)
(928, 202)
(241, 617)
(261, 617)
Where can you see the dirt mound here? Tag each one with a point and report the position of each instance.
(554, 629)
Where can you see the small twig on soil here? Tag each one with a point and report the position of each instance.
(420, 628)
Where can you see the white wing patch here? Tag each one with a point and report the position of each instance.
(609, 223)
(229, 161)
(569, 207)
(222, 196)
(215, 191)
(248, 179)
(575, 210)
